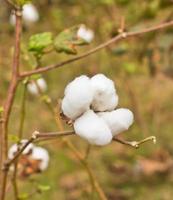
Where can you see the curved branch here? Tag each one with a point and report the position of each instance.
(119, 37)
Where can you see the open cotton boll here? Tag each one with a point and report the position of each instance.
(105, 97)
(42, 155)
(85, 33)
(33, 87)
(30, 15)
(13, 149)
(92, 128)
(118, 120)
(78, 97)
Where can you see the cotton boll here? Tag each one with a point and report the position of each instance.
(33, 87)
(42, 84)
(41, 154)
(118, 120)
(85, 33)
(92, 128)
(105, 97)
(13, 149)
(30, 15)
(78, 97)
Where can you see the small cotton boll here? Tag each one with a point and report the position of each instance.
(42, 84)
(13, 149)
(118, 120)
(105, 97)
(33, 87)
(41, 154)
(78, 97)
(29, 13)
(85, 33)
(92, 128)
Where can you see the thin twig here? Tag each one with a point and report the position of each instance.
(115, 39)
(55, 134)
(135, 144)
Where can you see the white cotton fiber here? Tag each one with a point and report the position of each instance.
(13, 149)
(118, 120)
(105, 97)
(85, 33)
(92, 128)
(39, 84)
(78, 97)
(41, 154)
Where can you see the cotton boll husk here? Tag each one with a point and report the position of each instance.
(118, 120)
(78, 97)
(41, 154)
(29, 14)
(93, 128)
(85, 33)
(13, 149)
(33, 88)
(105, 97)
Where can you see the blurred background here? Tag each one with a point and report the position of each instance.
(142, 69)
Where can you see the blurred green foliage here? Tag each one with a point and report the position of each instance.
(39, 42)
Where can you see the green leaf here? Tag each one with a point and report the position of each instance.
(39, 42)
(43, 188)
(67, 40)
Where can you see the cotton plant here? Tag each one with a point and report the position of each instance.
(91, 103)
(35, 86)
(30, 15)
(34, 159)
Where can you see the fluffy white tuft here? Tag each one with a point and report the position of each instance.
(105, 97)
(33, 87)
(85, 33)
(78, 97)
(118, 120)
(41, 154)
(13, 149)
(92, 128)
(30, 15)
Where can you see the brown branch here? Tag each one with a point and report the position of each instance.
(55, 134)
(118, 38)
(10, 98)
